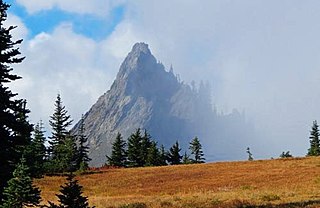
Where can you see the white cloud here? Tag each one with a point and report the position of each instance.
(96, 7)
(61, 62)
(21, 31)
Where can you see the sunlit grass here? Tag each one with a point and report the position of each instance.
(204, 185)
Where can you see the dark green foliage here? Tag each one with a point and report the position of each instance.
(63, 153)
(314, 149)
(71, 195)
(196, 150)
(285, 154)
(250, 158)
(83, 149)
(146, 143)
(15, 130)
(60, 121)
(118, 156)
(20, 192)
(174, 156)
(153, 156)
(162, 156)
(67, 153)
(35, 153)
(135, 158)
(186, 159)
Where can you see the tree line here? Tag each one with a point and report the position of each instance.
(23, 156)
(141, 150)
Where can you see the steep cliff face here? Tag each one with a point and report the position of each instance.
(145, 95)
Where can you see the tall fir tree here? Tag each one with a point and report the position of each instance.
(35, 153)
(174, 157)
(71, 195)
(15, 130)
(20, 192)
(153, 156)
(62, 150)
(134, 150)
(59, 122)
(314, 149)
(83, 150)
(118, 155)
(196, 151)
(146, 143)
(162, 156)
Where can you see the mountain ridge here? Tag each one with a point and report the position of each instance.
(144, 95)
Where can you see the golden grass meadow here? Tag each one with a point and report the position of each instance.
(262, 183)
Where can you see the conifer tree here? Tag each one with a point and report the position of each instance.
(71, 195)
(83, 149)
(15, 130)
(196, 150)
(134, 150)
(60, 121)
(146, 143)
(20, 192)
(250, 158)
(174, 157)
(63, 151)
(162, 156)
(186, 158)
(153, 156)
(118, 156)
(67, 156)
(314, 149)
(36, 152)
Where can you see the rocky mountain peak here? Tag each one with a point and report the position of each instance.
(139, 48)
(145, 95)
(139, 56)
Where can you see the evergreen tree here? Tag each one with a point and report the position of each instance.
(118, 156)
(174, 156)
(15, 130)
(60, 121)
(83, 149)
(67, 155)
(62, 150)
(71, 195)
(153, 156)
(162, 156)
(20, 192)
(196, 150)
(134, 150)
(36, 152)
(314, 149)
(250, 158)
(186, 158)
(146, 143)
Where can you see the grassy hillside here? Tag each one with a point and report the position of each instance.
(267, 183)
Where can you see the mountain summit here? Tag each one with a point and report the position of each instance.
(145, 95)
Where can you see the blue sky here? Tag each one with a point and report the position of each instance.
(92, 26)
(262, 57)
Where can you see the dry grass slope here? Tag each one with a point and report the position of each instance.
(264, 183)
